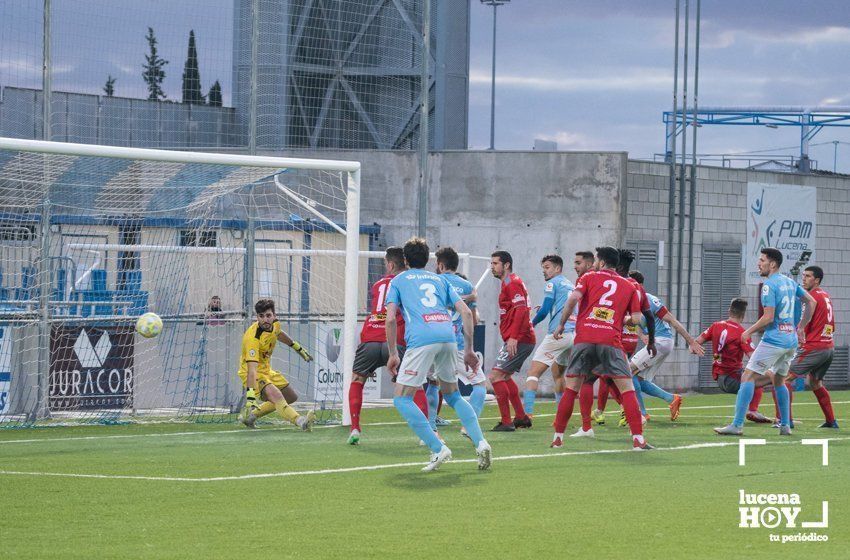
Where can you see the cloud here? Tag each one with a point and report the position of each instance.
(568, 140)
(652, 79)
(809, 37)
(27, 68)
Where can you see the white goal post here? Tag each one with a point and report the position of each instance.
(30, 174)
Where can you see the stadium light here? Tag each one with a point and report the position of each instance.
(495, 4)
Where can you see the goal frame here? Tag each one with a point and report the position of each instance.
(352, 211)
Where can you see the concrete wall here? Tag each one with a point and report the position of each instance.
(527, 203)
(721, 220)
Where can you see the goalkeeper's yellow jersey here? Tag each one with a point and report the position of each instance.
(257, 346)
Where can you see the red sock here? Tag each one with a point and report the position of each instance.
(519, 411)
(758, 393)
(632, 408)
(602, 396)
(585, 404)
(355, 403)
(421, 401)
(440, 403)
(565, 410)
(615, 392)
(502, 398)
(825, 403)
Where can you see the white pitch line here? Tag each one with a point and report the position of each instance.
(705, 445)
(274, 428)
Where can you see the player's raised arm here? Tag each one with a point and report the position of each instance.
(286, 339)
(545, 308)
(706, 335)
(694, 346)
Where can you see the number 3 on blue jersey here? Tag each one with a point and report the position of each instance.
(430, 299)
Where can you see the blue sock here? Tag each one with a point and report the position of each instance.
(639, 394)
(417, 422)
(467, 416)
(528, 397)
(476, 399)
(742, 402)
(558, 396)
(784, 402)
(432, 393)
(654, 390)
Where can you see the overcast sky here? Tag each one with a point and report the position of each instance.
(589, 74)
(597, 75)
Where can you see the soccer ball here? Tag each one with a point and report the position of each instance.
(149, 325)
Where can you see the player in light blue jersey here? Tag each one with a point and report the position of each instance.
(780, 297)
(551, 352)
(427, 300)
(447, 263)
(645, 366)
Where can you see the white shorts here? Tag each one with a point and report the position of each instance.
(552, 350)
(773, 358)
(647, 365)
(469, 377)
(438, 359)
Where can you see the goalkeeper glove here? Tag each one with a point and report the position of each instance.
(250, 400)
(300, 349)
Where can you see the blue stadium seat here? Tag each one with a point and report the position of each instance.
(4, 292)
(28, 289)
(132, 291)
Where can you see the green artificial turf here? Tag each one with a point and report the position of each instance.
(534, 503)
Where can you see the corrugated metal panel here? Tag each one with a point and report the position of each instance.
(646, 261)
(839, 372)
(721, 281)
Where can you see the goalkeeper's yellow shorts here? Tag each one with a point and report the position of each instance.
(271, 378)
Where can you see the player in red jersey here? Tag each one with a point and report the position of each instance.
(629, 342)
(729, 350)
(518, 336)
(606, 301)
(816, 350)
(372, 353)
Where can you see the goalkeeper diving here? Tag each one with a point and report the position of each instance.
(266, 390)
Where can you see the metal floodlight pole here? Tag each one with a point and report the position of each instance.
(671, 199)
(252, 102)
(46, 74)
(495, 4)
(682, 168)
(424, 115)
(693, 193)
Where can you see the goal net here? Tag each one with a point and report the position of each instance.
(91, 237)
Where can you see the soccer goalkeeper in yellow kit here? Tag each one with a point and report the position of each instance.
(266, 390)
